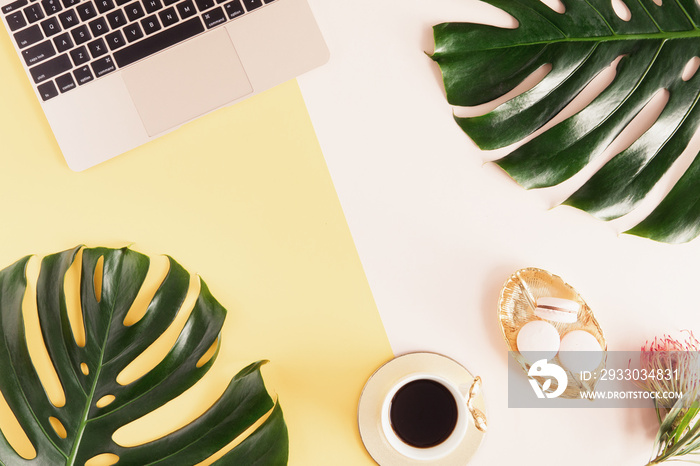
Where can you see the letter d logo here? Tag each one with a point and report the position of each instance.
(544, 369)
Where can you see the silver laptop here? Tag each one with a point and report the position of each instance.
(114, 74)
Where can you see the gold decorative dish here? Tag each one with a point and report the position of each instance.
(516, 307)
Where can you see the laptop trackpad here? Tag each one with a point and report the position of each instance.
(187, 81)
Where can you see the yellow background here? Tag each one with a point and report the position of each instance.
(242, 197)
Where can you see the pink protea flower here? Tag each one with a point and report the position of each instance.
(680, 358)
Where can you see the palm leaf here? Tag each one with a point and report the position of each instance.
(88, 373)
(480, 63)
(679, 432)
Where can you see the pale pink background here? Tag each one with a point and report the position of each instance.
(439, 232)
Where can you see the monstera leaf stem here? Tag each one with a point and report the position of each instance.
(480, 63)
(91, 395)
(612, 37)
(89, 399)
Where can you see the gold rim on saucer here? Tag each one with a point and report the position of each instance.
(381, 382)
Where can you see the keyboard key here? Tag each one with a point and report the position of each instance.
(133, 32)
(48, 69)
(70, 3)
(87, 11)
(186, 9)
(65, 83)
(252, 4)
(168, 17)
(115, 40)
(97, 48)
(268, 1)
(103, 6)
(214, 17)
(83, 75)
(122, 2)
(150, 25)
(234, 9)
(63, 42)
(98, 27)
(14, 6)
(38, 53)
(16, 21)
(51, 6)
(169, 2)
(152, 5)
(47, 91)
(68, 19)
(79, 56)
(103, 66)
(34, 13)
(81, 34)
(204, 4)
(158, 42)
(134, 11)
(116, 19)
(29, 36)
(50, 27)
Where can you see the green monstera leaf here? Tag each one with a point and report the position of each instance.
(88, 373)
(480, 63)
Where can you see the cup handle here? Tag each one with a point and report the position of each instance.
(478, 415)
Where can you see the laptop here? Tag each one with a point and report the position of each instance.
(114, 74)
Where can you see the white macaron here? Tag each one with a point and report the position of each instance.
(580, 351)
(557, 310)
(538, 339)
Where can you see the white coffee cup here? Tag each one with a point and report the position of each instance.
(450, 443)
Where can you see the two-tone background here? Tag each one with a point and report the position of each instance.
(352, 220)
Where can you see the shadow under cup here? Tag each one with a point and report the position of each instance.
(424, 417)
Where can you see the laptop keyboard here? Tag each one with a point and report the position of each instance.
(69, 43)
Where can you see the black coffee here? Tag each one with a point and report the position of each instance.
(423, 413)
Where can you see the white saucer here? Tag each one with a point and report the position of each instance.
(377, 388)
